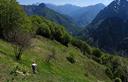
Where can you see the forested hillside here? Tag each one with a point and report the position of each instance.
(66, 9)
(81, 15)
(59, 56)
(109, 29)
(42, 10)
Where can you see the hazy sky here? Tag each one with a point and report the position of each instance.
(61, 2)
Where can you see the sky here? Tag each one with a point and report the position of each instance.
(62, 2)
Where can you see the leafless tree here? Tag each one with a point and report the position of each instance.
(20, 41)
(51, 56)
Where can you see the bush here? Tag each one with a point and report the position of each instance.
(71, 59)
(13, 71)
(51, 30)
(65, 39)
(97, 53)
(117, 80)
(51, 56)
(109, 73)
(116, 69)
(44, 31)
(105, 58)
(83, 46)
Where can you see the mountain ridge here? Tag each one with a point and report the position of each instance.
(82, 15)
(66, 9)
(108, 30)
(42, 10)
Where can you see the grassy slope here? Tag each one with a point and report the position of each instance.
(59, 70)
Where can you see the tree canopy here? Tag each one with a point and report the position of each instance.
(12, 17)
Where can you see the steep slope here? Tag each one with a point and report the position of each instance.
(85, 15)
(42, 10)
(109, 29)
(82, 15)
(58, 70)
(117, 8)
(73, 61)
(66, 9)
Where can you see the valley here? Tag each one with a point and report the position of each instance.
(45, 42)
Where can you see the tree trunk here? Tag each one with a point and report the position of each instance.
(19, 53)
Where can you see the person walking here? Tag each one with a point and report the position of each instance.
(34, 66)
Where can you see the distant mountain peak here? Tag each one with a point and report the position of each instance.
(109, 29)
(42, 5)
(117, 8)
(100, 4)
(120, 2)
(68, 5)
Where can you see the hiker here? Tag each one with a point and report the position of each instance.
(34, 65)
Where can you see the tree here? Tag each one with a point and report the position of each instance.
(117, 80)
(12, 17)
(51, 56)
(15, 26)
(66, 39)
(83, 46)
(39, 26)
(49, 29)
(20, 41)
(97, 53)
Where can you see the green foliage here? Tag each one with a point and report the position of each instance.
(51, 56)
(108, 71)
(14, 70)
(12, 17)
(42, 10)
(105, 58)
(59, 70)
(71, 58)
(46, 28)
(14, 23)
(83, 46)
(116, 68)
(117, 80)
(96, 52)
